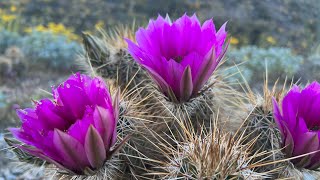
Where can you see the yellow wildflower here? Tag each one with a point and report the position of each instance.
(40, 28)
(8, 17)
(55, 28)
(99, 25)
(271, 40)
(234, 41)
(28, 30)
(60, 28)
(13, 8)
(51, 25)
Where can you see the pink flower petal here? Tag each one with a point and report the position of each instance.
(71, 150)
(94, 148)
(105, 123)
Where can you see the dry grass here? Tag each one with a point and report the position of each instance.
(115, 37)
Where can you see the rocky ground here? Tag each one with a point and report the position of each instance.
(11, 170)
(19, 93)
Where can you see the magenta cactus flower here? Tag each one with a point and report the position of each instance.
(180, 56)
(76, 129)
(299, 124)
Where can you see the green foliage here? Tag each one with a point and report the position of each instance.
(8, 39)
(280, 62)
(53, 50)
(310, 69)
(252, 22)
(2, 100)
(84, 14)
(292, 23)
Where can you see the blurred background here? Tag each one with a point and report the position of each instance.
(41, 39)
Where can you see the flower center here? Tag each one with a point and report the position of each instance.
(315, 128)
(178, 58)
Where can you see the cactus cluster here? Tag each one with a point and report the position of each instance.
(162, 109)
(107, 57)
(212, 153)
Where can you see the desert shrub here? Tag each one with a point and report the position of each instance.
(280, 62)
(309, 71)
(313, 66)
(8, 39)
(2, 100)
(252, 21)
(42, 48)
(56, 51)
(54, 28)
(4, 104)
(292, 23)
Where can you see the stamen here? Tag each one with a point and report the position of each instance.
(178, 58)
(315, 128)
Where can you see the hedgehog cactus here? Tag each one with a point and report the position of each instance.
(215, 154)
(299, 125)
(180, 56)
(168, 113)
(76, 130)
(260, 125)
(108, 57)
(95, 49)
(277, 131)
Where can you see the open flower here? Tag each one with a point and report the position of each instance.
(76, 129)
(179, 56)
(299, 124)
